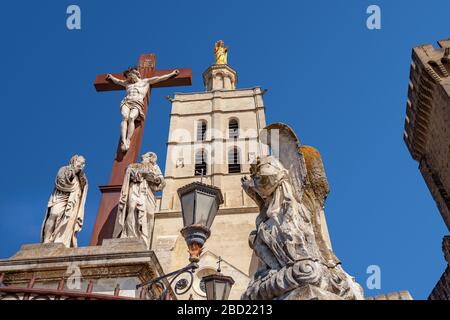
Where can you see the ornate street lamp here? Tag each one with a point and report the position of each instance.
(199, 205)
(217, 285)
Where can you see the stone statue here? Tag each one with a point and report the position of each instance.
(291, 241)
(132, 106)
(65, 210)
(220, 52)
(137, 204)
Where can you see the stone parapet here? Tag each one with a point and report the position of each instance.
(113, 269)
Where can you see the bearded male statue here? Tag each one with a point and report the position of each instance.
(65, 210)
(137, 204)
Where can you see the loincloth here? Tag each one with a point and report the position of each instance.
(133, 104)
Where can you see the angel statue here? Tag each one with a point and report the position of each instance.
(65, 210)
(291, 240)
(137, 203)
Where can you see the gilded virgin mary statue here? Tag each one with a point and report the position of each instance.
(220, 52)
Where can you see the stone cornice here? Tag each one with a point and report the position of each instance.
(218, 67)
(255, 109)
(217, 94)
(209, 141)
(242, 173)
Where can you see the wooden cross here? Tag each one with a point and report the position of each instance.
(106, 216)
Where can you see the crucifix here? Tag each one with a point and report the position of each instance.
(138, 83)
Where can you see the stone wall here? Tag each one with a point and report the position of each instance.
(442, 289)
(217, 109)
(427, 131)
(220, 103)
(427, 123)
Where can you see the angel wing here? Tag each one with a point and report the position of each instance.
(285, 146)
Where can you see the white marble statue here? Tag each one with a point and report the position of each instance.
(132, 106)
(137, 204)
(289, 241)
(65, 210)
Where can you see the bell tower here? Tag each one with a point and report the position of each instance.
(213, 138)
(220, 77)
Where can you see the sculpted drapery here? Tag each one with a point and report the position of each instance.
(137, 204)
(65, 210)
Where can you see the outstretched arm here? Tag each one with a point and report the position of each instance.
(122, 83)
(154, 80)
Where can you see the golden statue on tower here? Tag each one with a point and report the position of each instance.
(220, 52)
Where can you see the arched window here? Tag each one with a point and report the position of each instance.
(201, 130)
(200, 163)
(234, 160)
(233, 129)
(221, 79)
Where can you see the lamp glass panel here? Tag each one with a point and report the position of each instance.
(187, 204)
(212, 214)
(204, 202)
(220, 290)
(227, 291)
(209, 286)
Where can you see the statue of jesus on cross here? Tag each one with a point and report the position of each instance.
(132, 106)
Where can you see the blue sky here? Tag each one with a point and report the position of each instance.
(340, 86)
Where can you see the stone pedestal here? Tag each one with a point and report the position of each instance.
(52, 271)
(309, 292)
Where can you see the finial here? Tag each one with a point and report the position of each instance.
(219, 270)
(201, 173)
(220, 52)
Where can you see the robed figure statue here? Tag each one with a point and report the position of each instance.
(65, 210)
(137, 204)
